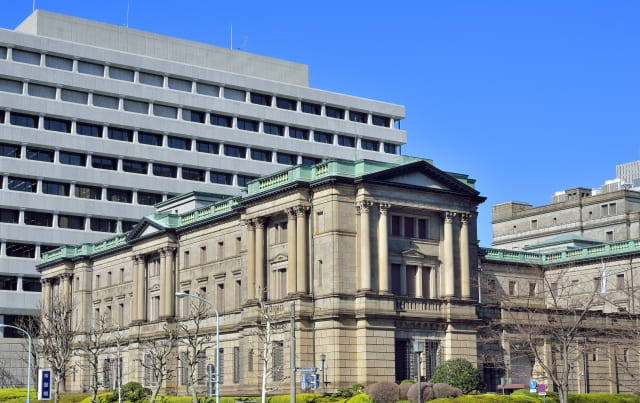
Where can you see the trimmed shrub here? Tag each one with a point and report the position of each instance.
(426, 392)
(359, 398)
(459, 373)
(441, 390)
(404, 388)
(383, 392)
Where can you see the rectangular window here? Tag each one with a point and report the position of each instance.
(534, 224)
(24, 120)
(150, 79)
(42, 91)
(103, 225)
(70, 221)
(11, 86)
(347, 141)
(37, 154)
(22, 184)
(278, 361)
(243, 180)
(120, 74)
(609, 236)
(260, 155)
(24, 56)
(370, 145)
(151, 139)
(220, 298)
(202, 363)
(221, 120)
(88, 192)
(23, 250)
(554, 289)
(620, 282)
(57, 125)
(55, 188)
(390, 148)
(115, 133)
(422, 228)
(235, 151)
(221, 178)
(100, 162)
(272, 128)
(193, 174)
(185, 260)
(597, 284)
(76, 159)
(207, 147)
(285, 103)
(236, 364)
(88, 129)
(179, 143)
(380, 121)
(233, 94)
(513, 288)
(532, 289)
(179, 84)
(359, 117)
(409, 231)
(119, 195)
(130, 105)
(612, 209)
(335, 113)
(193, 116)
(104, 101)
(9, 216)
(314, 109)
(165, 111)
(136, 167)
(249, 125)
(149, 199)
(220, 250)
(38, 218)
(77, 97)
(396, 226)
(309, 161)
(164, 170)
(287, 159)
(260, 99)
(298, 133)
(90, 68)
(207, 89)
(321, 137)
(10, 150)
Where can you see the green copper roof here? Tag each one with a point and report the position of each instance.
(299, 173)
(596, 251)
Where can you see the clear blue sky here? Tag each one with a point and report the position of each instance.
(527, 97)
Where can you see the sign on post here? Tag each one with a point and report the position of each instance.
(542, 390)
(44, 384)
(533, 386)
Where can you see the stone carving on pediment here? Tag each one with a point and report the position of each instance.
(279, 258)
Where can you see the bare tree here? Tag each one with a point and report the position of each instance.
(92, 346)
(196, 342)
(55, 338)
(550, 325)
(118, 337)
(156, 359)
(271, 368)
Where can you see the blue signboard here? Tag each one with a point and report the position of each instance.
(44, 384)
(533, 386)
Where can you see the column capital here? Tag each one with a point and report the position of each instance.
(250, 224)
(260, 222)
(384, 208)
(465, 217)
(364, 206)
(291, 212)
(301, 211)
(449, 216)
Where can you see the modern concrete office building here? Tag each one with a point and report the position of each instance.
(100, 122)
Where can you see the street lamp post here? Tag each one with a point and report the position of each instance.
(180, 294)
(324, 384)
(28, 359)
(418, 348)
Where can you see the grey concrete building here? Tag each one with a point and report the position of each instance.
(100, 122)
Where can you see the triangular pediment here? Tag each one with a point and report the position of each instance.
(144, 228)
(279, 258)
(422, 174)
(412, 254)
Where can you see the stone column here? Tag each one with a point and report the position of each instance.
(292, 275)
(251, 249)
(260, 256)
(383, 250)
(464, 257)
(46, 294)
(433, 290)
(403, 279)
(301, 250)
(171, 283)
(65, 294)
(140, 287)
(365, 246)
(136, 297)
(449, 277)
(419, 281)
(163, 283)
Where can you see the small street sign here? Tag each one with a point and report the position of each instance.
(533, 386)
(542, 390)
(44, 384)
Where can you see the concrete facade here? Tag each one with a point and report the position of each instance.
(99, 122)
(372, 255)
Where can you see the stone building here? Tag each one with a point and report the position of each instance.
(372, 256)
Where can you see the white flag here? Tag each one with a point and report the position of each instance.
(603, 282)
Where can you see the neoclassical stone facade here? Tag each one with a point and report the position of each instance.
(369, 256)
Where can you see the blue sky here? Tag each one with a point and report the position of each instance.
(527, 97)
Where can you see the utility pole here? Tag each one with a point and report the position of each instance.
(292, 358)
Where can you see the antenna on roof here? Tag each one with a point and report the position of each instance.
(127, 23)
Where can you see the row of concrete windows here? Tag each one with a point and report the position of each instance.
(66, 221)
(159, 79)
